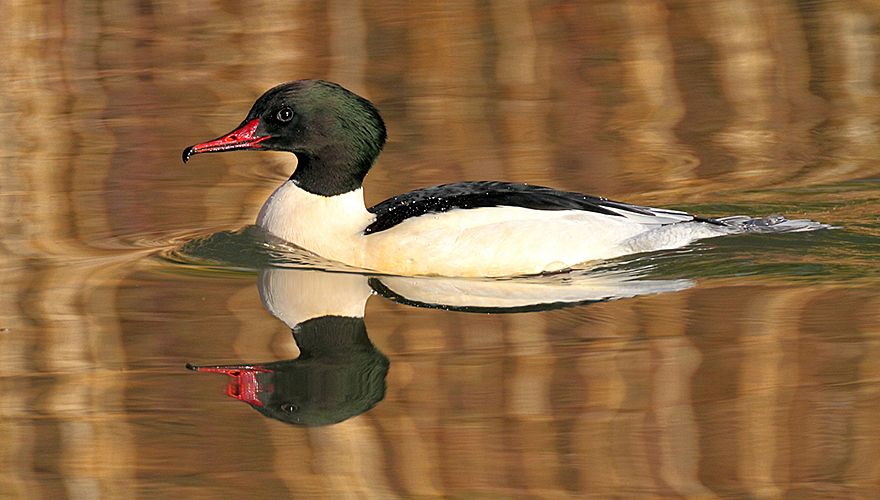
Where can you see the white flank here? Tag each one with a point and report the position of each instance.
(504, 241)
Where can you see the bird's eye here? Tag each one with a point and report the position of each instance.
(284, 115)
(289, 408)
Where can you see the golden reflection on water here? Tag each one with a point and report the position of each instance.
(741, 388)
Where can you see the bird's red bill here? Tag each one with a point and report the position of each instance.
(244, 137)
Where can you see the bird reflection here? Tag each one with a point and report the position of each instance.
(339, 373)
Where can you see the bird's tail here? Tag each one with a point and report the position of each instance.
(770, 224)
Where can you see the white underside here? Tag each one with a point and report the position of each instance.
(490, 241)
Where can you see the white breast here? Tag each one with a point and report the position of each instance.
(329, 226)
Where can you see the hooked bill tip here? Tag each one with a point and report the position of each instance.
(188, 152)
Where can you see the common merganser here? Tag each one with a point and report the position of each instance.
(472, 229)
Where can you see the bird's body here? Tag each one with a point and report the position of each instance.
(496, 240)
(465, 229)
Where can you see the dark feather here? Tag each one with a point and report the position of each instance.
(464, 195)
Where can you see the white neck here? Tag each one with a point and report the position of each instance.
(330, 226)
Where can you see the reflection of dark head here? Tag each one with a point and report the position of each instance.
(339, 374)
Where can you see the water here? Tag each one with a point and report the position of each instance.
(738, 367)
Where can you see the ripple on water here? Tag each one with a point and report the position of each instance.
(246, 249)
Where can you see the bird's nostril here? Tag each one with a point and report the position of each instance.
(232, 138)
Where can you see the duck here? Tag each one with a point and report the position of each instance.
(464, 229)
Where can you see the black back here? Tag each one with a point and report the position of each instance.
(479, 194)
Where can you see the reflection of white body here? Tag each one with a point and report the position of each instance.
(488, 241)
(512, 294)
(297, 295)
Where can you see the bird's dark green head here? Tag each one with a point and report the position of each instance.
(335, 134)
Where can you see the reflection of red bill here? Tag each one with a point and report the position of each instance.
(244, 386)
(243, 137)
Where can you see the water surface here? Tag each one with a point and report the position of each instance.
(738, 367)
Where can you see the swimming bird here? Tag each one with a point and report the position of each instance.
(484, 228)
